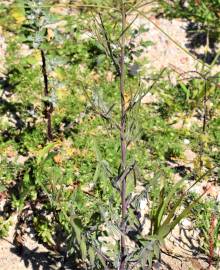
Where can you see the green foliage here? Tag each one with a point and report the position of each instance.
(73, 182)
(204, 212)
(4, 226)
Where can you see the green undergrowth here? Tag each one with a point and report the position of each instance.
(71, 184)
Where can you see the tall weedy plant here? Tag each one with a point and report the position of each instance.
(117, 47)
(110, 197)
(166, 212)
(122, 136)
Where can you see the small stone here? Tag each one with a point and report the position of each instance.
(149, 98)
(189, 155)
(21, 159)
(59, 264)
(186, 223)
(186, 141)
(143, 204)
(28, 230)
(146, 227)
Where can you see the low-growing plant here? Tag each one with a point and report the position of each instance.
(207, 213)
(4, 226)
